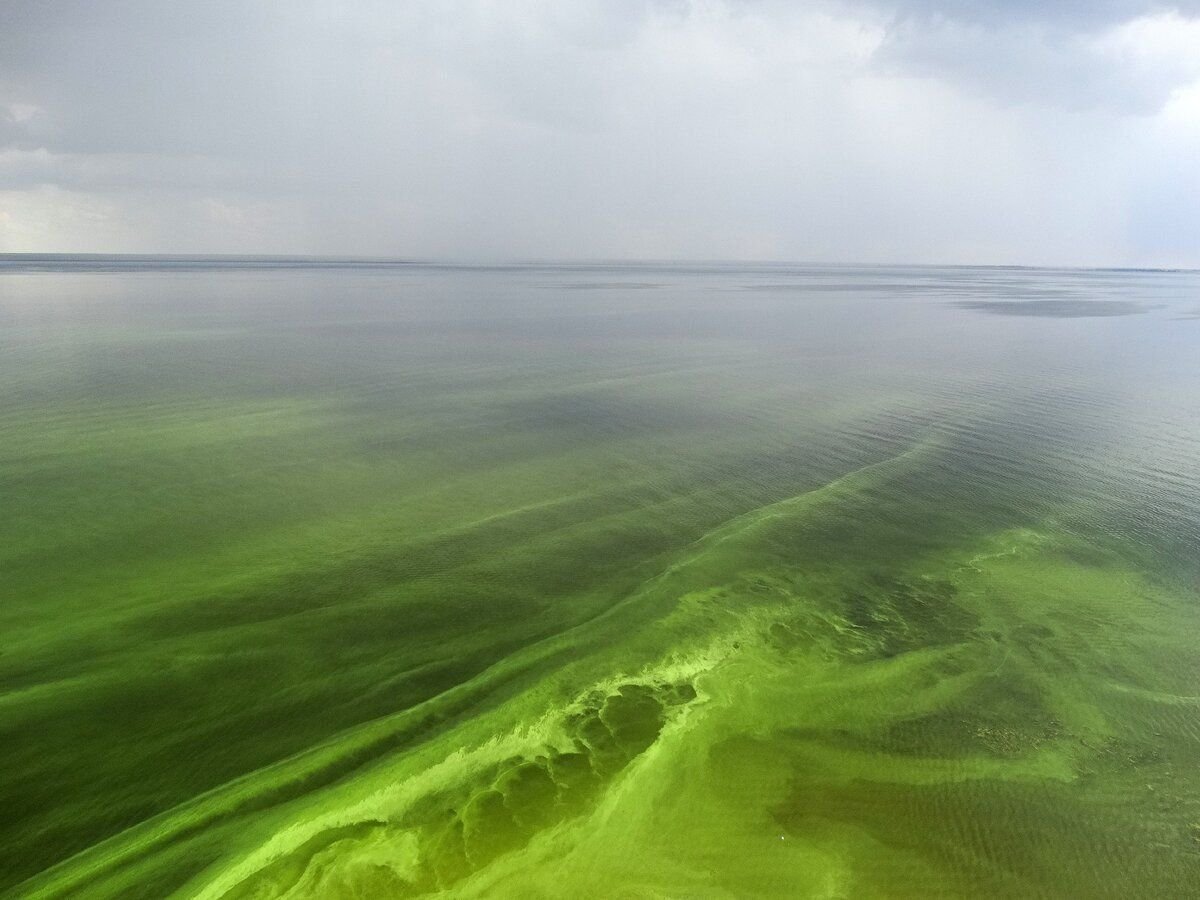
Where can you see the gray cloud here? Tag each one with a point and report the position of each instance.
(839, 130)
(1075, 55)
(1060, 13)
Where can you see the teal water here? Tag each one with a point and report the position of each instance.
(374, 579)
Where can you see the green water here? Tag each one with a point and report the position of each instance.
(635, 582)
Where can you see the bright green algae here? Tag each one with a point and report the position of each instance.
(456, 586)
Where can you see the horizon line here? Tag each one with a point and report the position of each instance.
(466, 262)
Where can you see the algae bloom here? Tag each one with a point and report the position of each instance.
(386, 580)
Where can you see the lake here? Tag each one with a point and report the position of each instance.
(336, 578)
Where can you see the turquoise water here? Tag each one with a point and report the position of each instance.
(367, 579)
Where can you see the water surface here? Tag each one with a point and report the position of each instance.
(373, 579)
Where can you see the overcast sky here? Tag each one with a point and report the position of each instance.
(990, 131)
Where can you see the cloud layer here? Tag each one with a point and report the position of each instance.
(967, 131)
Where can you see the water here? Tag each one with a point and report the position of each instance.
(363, 578)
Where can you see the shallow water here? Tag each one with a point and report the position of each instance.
(374, 579)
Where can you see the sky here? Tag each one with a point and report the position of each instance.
(892, 131)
